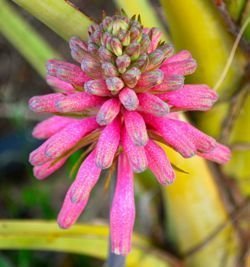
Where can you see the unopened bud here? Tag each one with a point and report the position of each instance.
(96, 87)
(114, 84)
(92, 47)
(122, 62)
(109, 70)
(105, 40)
(92, 28)
(105, 54)
(133, 50)
(150, 79)
(91, 66)
(116, 46)
(107, 23)
(118, 25)
(145, 43)
(126, 39)
(131, 77)
(78, 48)
(142, 62)
(129, 99)
(135, 34)
(96, 37)
(155, 36)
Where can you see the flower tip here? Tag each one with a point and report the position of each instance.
(63, 224)
(34, 104)
(121, 251)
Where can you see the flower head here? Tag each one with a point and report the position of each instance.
(120, 101)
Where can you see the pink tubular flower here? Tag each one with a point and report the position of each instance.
(118, 101)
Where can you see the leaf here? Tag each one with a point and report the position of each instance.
(61, 16)
(91, 240)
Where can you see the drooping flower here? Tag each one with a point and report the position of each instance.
(119, 104)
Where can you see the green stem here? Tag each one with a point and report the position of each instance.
(61, 16)
(22, 36)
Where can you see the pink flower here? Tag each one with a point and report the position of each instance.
(120, 103)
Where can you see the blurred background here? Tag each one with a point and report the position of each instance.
(23, 197)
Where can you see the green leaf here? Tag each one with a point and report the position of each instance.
(23, 37)
(61, 16)
(91, 240)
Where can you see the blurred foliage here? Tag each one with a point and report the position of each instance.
(182, 218)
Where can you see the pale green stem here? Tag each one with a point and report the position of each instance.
(23, 37)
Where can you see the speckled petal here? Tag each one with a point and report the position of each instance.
(67, 72)
(108, 111)
(68, 137)
(159, 164)
(43, 171)
(78, 102)
(50, 126)
(136, 128)
(59, 84)
(220, 154)
(87, 177)
(136, 154)
(152, 104)
(191, 97)
(107, 144)
(122, 215)
(44, 103)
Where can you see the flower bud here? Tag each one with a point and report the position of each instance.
(97, 87)
(150, 79)
(122, 62)
(155, 36)
(92, 28)
(107, 23)
(126, 39)
(119, 24)
(78, 48)
(133, 50)
(131, 77)
(129, 99)
(135, 34)
(109, 70)
(145, 43)
(91, 66)
(92, 47)
(142, 62)
(105, 54)
(105, 40)
(114, 84)
(116, 46)
(96, 37)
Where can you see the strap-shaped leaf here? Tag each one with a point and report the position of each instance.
(61, 16)
(90, 240)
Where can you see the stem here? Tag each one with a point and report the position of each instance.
(113, 260)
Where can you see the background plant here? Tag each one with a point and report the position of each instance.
(207, 201)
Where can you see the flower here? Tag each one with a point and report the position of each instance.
(119, 104)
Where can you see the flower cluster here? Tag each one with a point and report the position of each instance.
(119, 105)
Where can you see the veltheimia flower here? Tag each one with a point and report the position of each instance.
(119, 103)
